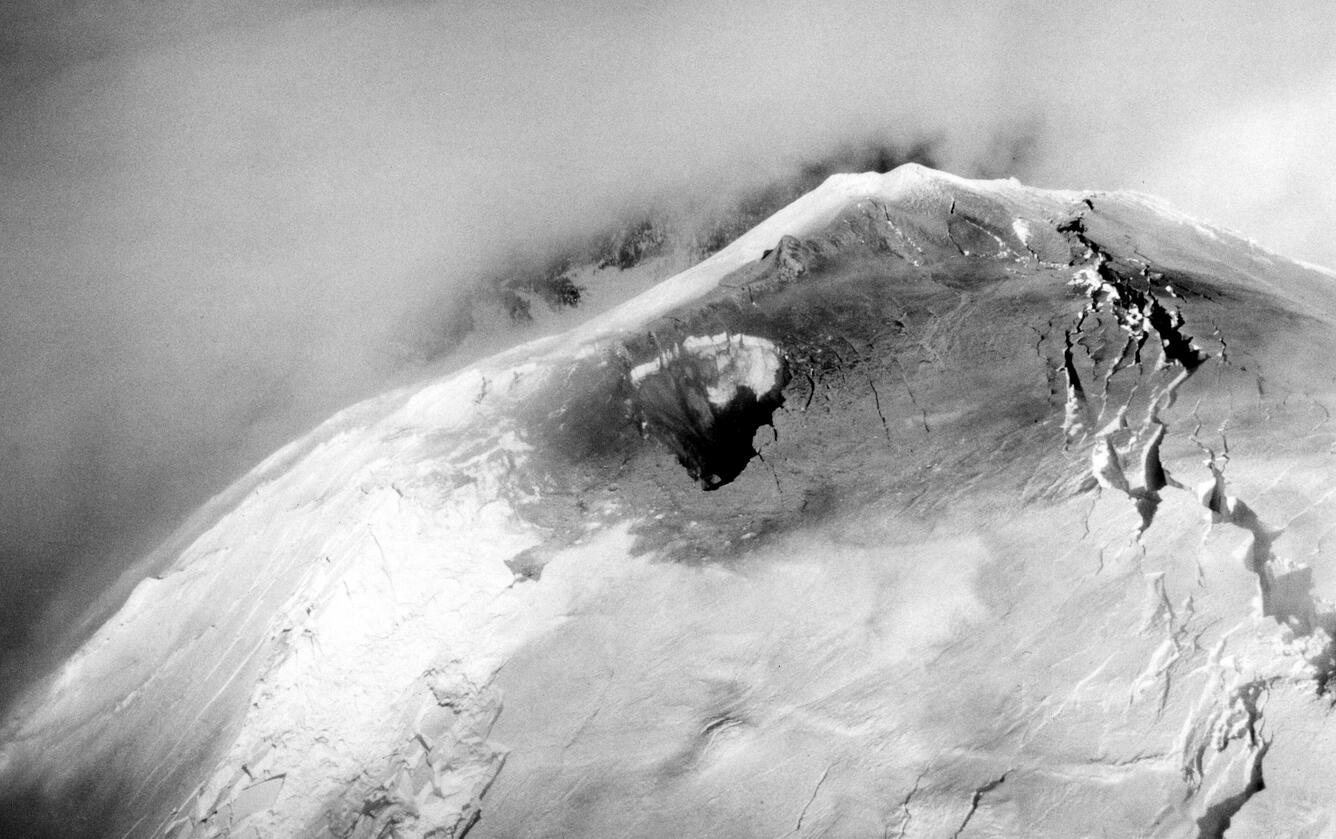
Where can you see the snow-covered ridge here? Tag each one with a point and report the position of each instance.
(434, 402)
(910, 185)
(364, 568)
(447, 403)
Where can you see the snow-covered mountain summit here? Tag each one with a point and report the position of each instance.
(928, 506)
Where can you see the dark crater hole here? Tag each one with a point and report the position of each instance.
(713, 442)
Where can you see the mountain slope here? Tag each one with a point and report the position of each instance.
(927, 507)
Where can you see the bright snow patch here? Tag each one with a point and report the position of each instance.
(739, 361)
(1022, 230)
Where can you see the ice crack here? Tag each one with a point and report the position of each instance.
(976, 799)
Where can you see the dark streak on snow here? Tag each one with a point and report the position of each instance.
(815, 790)
(909, 796)
(1286, 593)
(977, 798)
(1216, 820)
(876, 401)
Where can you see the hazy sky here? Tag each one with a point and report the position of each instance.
(219, 219)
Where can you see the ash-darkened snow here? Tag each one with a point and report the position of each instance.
(928, 507)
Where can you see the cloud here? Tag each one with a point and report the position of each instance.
(220, 220)
(1263, 169)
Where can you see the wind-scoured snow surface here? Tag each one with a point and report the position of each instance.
(1019, 525)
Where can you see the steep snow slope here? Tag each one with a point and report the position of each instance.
(929, 507)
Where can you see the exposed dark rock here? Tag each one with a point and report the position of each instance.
(679, 404)
(1215, 823)
(632, 245)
